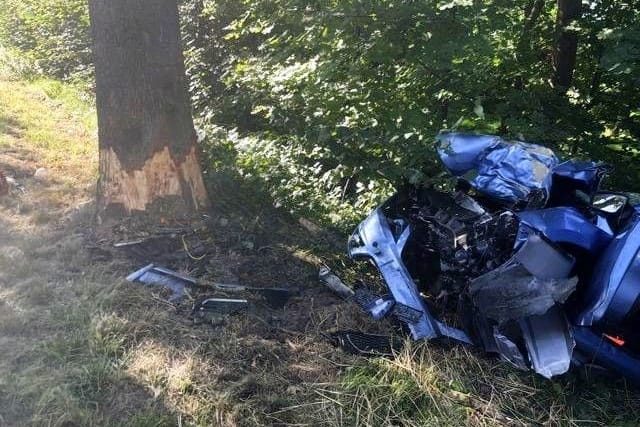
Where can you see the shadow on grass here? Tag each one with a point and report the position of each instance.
(57, 365)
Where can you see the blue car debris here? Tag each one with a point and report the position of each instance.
(527, 258)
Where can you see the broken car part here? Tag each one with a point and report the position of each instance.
(532, 282)
(377, 307)
(366, 344)
(549, 342)
(613, 291)
(511, 292)
(158, 276)
(508, 350)
(374, 240)
(214, 310)
(275, 297)
(512, 171)
(334, 283)
(600, 351)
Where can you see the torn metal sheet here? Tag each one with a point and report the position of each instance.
(566, 225)
(549, 342)
(534, 280)
(543, 260)
(613, 288)
(158, 276)
(511, 292)
(511, 171)
(508, 350)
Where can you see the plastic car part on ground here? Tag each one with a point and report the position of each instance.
(215, 310)
(274, 297)
(164, 278)
(530, 255)
(366, 344)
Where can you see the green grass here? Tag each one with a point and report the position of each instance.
(426, 385)
(54, 121)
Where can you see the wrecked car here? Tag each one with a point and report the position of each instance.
(527, 258)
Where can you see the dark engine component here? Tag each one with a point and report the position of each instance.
(453, 239)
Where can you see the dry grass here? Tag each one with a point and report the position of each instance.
(81, 347)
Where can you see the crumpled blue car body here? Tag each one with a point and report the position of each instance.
(511, 171)
(504, 170)
(521, 176)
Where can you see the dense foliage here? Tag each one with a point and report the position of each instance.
(340, 96)
(329, 103)
(52, 34)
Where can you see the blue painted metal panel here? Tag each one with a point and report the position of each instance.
(614, 284)
(603, 353)
(506, 170)
(565, 225)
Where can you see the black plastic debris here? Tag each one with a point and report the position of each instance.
(163, 277)
(215, 310)
(359, 343)
(333, 282)
(276, 298)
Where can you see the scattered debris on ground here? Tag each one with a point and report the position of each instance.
(4, 185)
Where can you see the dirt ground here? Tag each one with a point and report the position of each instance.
(81, 346)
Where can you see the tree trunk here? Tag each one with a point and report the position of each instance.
(531, 14)
(567, 47)
(149, 160)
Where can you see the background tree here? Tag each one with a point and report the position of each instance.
(567, 48)
(148, 151)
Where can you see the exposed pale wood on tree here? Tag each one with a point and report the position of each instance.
(160, 176)
(148, 148)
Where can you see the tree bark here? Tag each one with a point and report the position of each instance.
(149, 159)
(567, 44)
(531, 14)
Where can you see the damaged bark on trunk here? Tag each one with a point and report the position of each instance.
(149, 158)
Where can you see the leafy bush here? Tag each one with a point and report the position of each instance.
(52, 34)
(332, 101)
